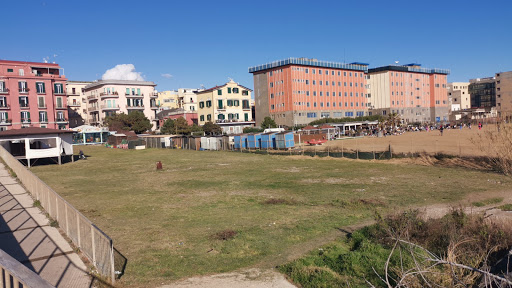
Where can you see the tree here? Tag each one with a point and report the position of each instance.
(135, 121)
(268, 123)
(181, 126)
(168, 127)
(211, 128)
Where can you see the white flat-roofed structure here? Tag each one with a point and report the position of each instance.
(36, 143)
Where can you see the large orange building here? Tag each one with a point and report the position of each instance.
(296, 91)
(416, 94)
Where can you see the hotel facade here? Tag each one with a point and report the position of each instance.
(32, 94)
(297, 91)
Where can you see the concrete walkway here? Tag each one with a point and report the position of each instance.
(26, 236)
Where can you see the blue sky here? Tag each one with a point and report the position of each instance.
(205, 42)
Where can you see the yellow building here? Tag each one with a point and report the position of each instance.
(167, 100)
(230, 102)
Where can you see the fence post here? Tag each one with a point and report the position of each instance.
(436, 149)
(357, 149)
(460, 152)
(78, 229)
(327, 151)
(342, 148)
(67, 221)
(93, 247)
(112, 266)
(390, 151)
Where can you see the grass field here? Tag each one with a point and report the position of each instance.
(165, 221)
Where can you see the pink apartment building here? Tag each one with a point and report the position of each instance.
(32, 94)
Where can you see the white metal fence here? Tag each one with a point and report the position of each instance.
(95, 244)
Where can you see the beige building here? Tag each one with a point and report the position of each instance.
(504, 95)
(77, 102)
(108, 97)
(167, 100)
(230, 102)
(458, 96)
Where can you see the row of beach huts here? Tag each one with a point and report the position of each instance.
(251, 141)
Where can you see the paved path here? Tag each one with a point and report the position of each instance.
(26, 236)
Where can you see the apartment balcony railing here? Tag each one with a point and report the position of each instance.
(153, 95)
(5, 121)
(23, 91)
(154, 107)
(91, 97)
(61, 107)
(61, 120)
(109, 95)
(43, 120)
(134, 95)
(74, 104)
(25, 120)
(92, 108)
(135, 107)
(59, 93)
(23, 105)
(4, 91)
(109, 107)
(41, 107)
(5, 107)
(228, 121)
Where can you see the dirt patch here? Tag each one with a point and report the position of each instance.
(224, 235)
(279, 201)
(249, 278)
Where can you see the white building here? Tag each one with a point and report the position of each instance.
(458, 96)
(108, 97)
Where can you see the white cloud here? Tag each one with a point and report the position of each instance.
(166, 75)
(122, 72)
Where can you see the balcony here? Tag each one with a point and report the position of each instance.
(228, 121)
(4, 91)
(43, 121)
(25, 120)
(59, 93)
(135, 96)
(154, 107)
(23, 91)
(92, 108)
(41, 107)
(24, 105)
(62, 107)
(74, 104)
(91, 97)
(109, 107)
(5, 107)
(5, 122)
(153, 95)
(61, 120)
(104, 95)
(135, 107)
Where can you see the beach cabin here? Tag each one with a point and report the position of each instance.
(268, 140)
(284, 140)
(87, 134)
(254, 140)
(36, 143)
(240, 141)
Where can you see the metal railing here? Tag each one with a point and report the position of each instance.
(93, 242)
(14, 274)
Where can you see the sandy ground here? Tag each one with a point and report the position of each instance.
(250, 278)
(453, 142)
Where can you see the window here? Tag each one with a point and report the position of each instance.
(272, 106)
(319, 71)
(245, 104)
(209, 117)
(321, 104)
(320, 82)
(133, 91)
(236, 103)
(4, 117)
(21, 72)
(311, 115)
(219, 104)
(314, 104)
(25, 116)
(229, 90)
(23, 101)
(10, 70)
(127, 91)
(59, 102)
(307, 82)
(201, 118)
(40, 88)
(349, 114)
(327, 83)
(325, 114)
(58, 88)
(201, 105)
(230, 103)
(22, 87)
(40, 102)
(235, 90)
(43, 117)
(314, 82)
(208, 103)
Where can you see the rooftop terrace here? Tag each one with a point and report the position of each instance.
(310, 62)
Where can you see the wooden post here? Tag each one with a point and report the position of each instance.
(60, 160)
(436, 149)
(327, 151)
(93, 246)
(342, 148)
(390, 151)
(357, 149)
(78, 230)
